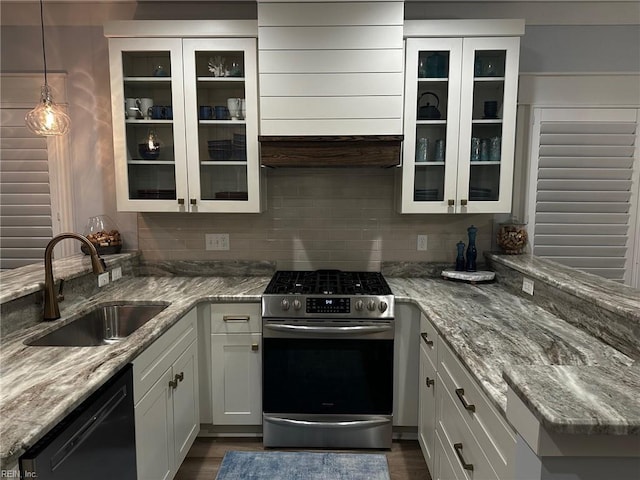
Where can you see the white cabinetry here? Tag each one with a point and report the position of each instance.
(460, 113)
(178, 146)
(236, 364)
(461, 433)
(427, 391)
(405, 365)
(166, 400)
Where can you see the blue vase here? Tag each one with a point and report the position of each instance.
(460, 265)
(472, 253)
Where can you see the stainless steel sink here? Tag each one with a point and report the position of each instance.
(103, 325)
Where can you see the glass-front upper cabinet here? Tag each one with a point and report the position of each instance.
(185, 124)
(222, 123)
(460, 100)
(148, 123)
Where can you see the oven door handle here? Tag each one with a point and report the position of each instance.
(346, 424)
(281, 327)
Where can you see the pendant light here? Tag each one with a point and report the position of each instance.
(47, 118)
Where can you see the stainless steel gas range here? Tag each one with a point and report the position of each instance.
(327, 360)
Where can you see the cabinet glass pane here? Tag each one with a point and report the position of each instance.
(486, 129)
(148, 113)
(431, 125)
(222, 144)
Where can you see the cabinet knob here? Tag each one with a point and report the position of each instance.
(193, 201)
(179, 376)
(254, 347)
(430, 381)
(451, 202)
(463, 202)
(181, 201)
(173, 384)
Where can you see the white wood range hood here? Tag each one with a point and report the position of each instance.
(330, 68)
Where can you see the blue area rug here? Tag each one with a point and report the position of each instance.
(302, 466)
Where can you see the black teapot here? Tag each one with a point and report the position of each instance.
(429, 112)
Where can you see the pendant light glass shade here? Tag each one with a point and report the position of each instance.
(47, 118)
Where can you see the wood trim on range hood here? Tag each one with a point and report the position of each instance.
(331, 151)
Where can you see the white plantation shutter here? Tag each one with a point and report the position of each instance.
(586, 189)
(35, 185)
(25, 200)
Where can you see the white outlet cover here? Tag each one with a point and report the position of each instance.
(103, 279)
(422, 242)
(527, 286)
(116, 274)
(216, 241)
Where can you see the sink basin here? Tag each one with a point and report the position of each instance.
(103, 325)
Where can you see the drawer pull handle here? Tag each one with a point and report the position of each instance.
(469, 406)
(179, 377)
(458, 448)
(254, 347)
(425, 337)
(236, 318)
(430, 381)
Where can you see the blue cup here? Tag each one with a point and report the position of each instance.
(160, 112)
(222, 112)
(206, 112)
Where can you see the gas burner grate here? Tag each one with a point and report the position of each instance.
(328, 282)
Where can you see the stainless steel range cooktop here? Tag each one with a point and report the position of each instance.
(328, 294)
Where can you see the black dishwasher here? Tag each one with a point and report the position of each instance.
(96, 440)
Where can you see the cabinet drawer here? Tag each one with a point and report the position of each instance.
(444, 468)
(151, 364)
(487, 424)
(459, 443)
(235, 318)
(429, 339)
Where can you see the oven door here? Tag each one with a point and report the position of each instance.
(327, 378)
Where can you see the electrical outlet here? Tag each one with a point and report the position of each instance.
(527, 286)
(116, 274)
(103, 279)
(422, 242)
(217, 241)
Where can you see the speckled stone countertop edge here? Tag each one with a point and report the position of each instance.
(29, 279)
(526, 383)
(617, 298)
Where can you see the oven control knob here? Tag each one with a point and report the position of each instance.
(285, 304)
(371, 305)
(359, 305)
(383, 306)
(296, 304)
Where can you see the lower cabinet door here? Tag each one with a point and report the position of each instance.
(186, 408)
(445, 468)
(427, 409)
(154, 432)
(236, 384)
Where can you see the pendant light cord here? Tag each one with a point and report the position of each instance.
(44, 53)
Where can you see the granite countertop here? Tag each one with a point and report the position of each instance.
(39, 386)
(492, 331)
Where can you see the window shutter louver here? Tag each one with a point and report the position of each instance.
(25, 200)
(584, 191)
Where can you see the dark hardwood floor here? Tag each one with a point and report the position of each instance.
(203, 460)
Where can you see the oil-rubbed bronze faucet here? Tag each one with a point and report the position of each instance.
(51, 310)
